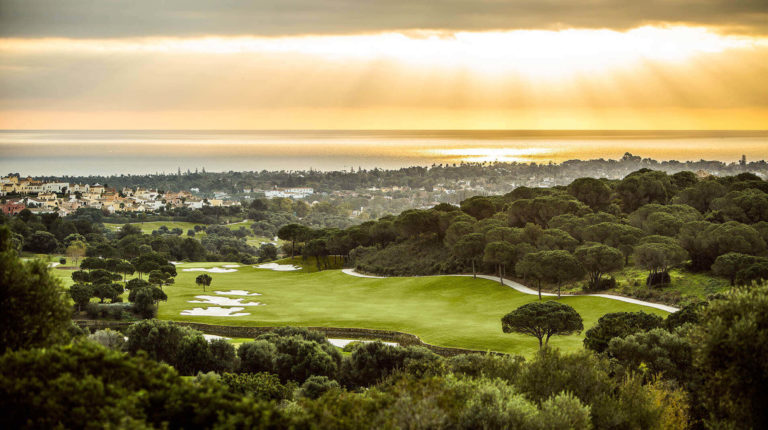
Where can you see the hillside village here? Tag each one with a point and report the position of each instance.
(65, 198)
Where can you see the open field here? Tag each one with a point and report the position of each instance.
(447, 311)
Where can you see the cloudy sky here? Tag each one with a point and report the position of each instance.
(371, 64)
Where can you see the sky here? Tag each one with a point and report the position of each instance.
(374, 64)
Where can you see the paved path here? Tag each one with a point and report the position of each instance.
(525, 290)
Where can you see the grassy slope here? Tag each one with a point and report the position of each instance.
(445, 311)
(688, 284)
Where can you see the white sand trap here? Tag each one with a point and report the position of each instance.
(215, 312)
(278, 267)
(53, 264)
(341, 343)
(223, 301)
(210, 337)
(236, 293)
(211, 270)
(175, 263)
(231, 265)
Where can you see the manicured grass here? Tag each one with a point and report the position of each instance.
(447, 311)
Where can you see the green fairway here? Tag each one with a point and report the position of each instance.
(446, 311)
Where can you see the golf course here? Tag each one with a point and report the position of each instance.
(448, 311)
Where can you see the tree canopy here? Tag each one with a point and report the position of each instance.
(543, 320)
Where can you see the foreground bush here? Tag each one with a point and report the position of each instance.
(85, 385)
(185, 349)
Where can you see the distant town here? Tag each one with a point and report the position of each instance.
(65, 198)
(356, 195)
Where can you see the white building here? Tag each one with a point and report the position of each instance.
(55, 187)
(293, 193)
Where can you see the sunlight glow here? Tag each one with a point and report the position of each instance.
(479, 155)
(522, 51)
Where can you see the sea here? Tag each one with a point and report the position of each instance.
(99, 152)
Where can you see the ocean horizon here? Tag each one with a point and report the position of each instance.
(105, 152)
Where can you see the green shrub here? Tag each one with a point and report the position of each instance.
(316, 386)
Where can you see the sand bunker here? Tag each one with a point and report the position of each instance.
(53, 264)
(210, 337)
(341, 343)
(236, 293)
(215, 312)
(278, 267)
(223, 301)
(211, 270)
(231, 265)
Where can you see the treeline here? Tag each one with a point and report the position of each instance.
(414, 177)
(589, 228)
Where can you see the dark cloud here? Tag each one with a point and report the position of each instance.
(130, 18)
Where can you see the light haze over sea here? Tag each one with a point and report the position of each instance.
(98, 152)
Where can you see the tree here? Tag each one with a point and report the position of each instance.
(542, 209)
(701, 195)
(469, 248)
(316, 248)
(92, 263)
(157, 277)
(643, 187)
(128, 230)
(267, 252)
(145, 300)
(554, 267)
(598, 260)
(706, 241)
(107, 291)
(532, 267)
(620, 236)
(728, 265)
(41, 241)
(659, 351)
(657, 258)
(757, 272)
(543, 320)
(456, 231)
(730, 346)
(81, 294)
(75, 251)
(126, 268)
(81, 276)
(35, 308)
(618, 324)
(204, 280)
(478, 207)
(293, 233)
(590, 191)
(498, 254)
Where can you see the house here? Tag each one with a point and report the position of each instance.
(13, 208)
(97, 189)
(55, 187)
(293, 193)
